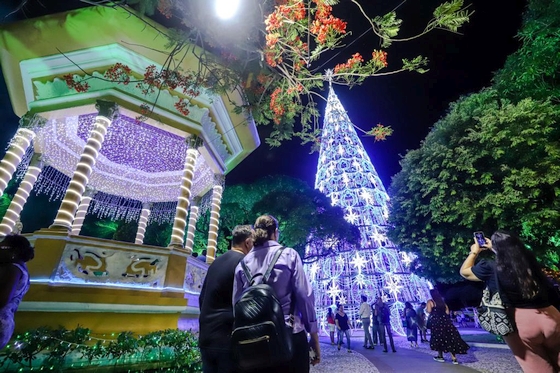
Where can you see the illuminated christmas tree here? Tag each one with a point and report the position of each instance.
(376, 268)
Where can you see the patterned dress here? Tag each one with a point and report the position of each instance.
(7, 313)
(445, 336)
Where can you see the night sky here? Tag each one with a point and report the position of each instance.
(409, 102)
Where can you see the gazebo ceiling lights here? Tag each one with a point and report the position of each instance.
(137, 161)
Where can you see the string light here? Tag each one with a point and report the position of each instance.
(376, 268)
(137, 161)
(214, 221)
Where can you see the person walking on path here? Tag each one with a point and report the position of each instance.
(365, 316)
(341, 320)
(331, 324)
(411, 326)
(14, 281)
(290, 284)
(421, 322)
(216, 310)
(530, 299)
(383, 314)
(444, 335)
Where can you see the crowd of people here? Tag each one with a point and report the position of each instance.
(531, 301)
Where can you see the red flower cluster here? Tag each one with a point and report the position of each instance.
(182, 107)
(379, 58)
(165, 7)
(277, 108)
(271, 39)
(78, 86)
(353, 62)
(119, 73)
(322, 27)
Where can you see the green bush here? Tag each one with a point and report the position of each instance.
(44, 348)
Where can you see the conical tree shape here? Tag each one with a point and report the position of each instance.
(375, 269)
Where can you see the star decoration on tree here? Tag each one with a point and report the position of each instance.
(313, 270)
(392, 284)
(358, 262)
(351, 217)
(334, 291)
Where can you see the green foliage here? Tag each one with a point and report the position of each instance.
(305, 215)
(488, 164)
(48, 349)
(534, 70)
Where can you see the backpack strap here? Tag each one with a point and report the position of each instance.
(247, 273)
(272, 264)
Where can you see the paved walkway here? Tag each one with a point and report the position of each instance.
(407, 359)
(402, 361)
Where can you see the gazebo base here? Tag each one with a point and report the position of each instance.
(108, 286)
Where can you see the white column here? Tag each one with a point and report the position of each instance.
(18, 147)
(20, 198)
(193, 218)
(214, 218)
(81, 213)
(107, 112)
(180, 221)
(143, 223)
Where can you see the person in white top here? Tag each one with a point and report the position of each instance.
(365, 315)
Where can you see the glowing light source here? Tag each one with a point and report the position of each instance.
(375, 268)
(226, 9)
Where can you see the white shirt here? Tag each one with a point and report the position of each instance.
(365, 311)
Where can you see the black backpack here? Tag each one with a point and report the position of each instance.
(260, 338)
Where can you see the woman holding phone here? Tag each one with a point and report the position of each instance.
(527, 295)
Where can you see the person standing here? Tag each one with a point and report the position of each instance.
(216, 310)
(375, 333)
(411, 325)
(421, 322)
(331, 324)
(530, 299)
(365, 316)
(14, 281)
(290, 284)
(383, 314)
(341, 320)
(444, 336)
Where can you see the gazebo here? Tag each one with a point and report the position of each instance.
(92, 151)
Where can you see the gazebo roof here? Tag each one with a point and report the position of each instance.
(139, 160)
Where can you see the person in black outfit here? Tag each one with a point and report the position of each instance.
(216, 309)
(383, 314)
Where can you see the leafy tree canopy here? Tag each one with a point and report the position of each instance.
(488, 164)
(534, 70)
(305, 216)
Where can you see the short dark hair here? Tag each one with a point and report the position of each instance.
(21, 245)
(240, 234)
(364, 298)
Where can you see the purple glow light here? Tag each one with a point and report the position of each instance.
(138, 145)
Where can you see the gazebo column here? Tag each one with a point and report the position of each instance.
(143, 223)
(180, 221)
(193, 218)
(18, 147)
(81, 213)
(107, 112)
(214, 218)
(20, 198)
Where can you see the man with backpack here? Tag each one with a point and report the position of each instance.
(383, 314)
(270, 284)
(216, 311)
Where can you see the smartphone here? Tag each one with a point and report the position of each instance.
(480, 238)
